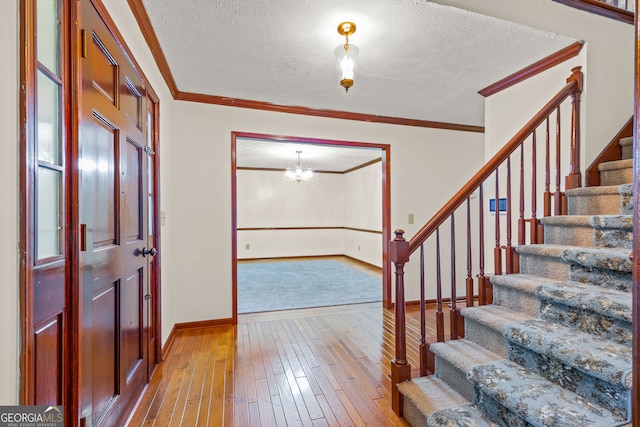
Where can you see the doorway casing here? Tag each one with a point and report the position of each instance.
(386, 204)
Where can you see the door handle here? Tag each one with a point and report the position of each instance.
(152, 252)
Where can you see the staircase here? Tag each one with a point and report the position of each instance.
(554, 348)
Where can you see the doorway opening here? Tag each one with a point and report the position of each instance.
(334, 225)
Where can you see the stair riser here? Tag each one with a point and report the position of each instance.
(412, 414)
(601, 277)
(587, 236)
(454, 377)
(599, 392)
(627, 151)
(486, 337)
(515, 299)
(550, 267)
(499, 413)
(607, 204)
(609, 328)
(616, 176)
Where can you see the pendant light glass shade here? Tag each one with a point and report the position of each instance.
(346, 55)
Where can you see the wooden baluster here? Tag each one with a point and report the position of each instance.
(510, 252)
(484, 286)
(574, 179)
(456, 320)
(522, 236)
(439, 313)
(547, 172)
(427, 359)
(535, 222)
(400, 367)
(469, 281)
(497, 251)
(558, 196)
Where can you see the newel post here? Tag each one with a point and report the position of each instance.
(400, 368)
(574, 179)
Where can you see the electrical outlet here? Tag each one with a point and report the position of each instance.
(410, 219)
(247, 246)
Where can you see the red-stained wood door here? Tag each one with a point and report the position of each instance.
(113, 205)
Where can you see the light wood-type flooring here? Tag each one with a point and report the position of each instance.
(312, 367)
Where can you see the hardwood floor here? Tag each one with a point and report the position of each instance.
(323, 366)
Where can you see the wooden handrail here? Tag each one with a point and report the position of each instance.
(573, 86)
(601, 8)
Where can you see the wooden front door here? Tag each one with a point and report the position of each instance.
(114, 219)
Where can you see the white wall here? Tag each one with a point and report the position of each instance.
(266, 199)
(202, 219)
(9, 191)
(363, 210)
(126, 23)
(610, 59)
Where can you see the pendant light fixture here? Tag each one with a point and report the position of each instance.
(346, 55)
(298, 174)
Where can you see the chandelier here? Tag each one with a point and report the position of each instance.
(298, 174)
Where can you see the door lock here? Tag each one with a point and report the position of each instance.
(152, 252)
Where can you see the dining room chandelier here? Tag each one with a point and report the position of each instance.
(298, 173)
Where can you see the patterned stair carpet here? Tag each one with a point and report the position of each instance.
(556, 343)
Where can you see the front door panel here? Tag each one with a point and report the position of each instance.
(113, 206)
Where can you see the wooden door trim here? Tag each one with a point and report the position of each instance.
(156, 301)
(386, 206)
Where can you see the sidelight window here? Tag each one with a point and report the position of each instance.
(48, 132)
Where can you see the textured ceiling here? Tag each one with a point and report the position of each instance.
(257, 153)
(418, 59)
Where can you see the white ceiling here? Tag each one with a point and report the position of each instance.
(257, 153)
(418, 59)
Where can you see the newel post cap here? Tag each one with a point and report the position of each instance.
(399, 248)
(577, 76)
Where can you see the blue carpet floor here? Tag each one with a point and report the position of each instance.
(286, 285)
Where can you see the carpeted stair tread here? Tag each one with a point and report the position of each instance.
(467, 415)
(624, 222)
(600, 200)
(592, 355)
(616, 259)
(606, 258)
(493, 316)
(535, 399)
(627, 147)
(553, 251)
(600, 190)
(615, 164)
(463, 354)
(426, 395)
(586, 297)
(589, 230)
(523, 282)
(595, 221)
